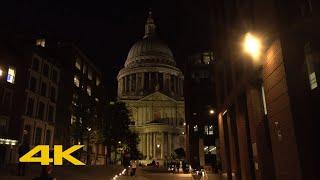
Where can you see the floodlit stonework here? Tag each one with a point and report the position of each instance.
(152, 87)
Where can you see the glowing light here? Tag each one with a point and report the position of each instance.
(158, 145)
(211, 111)
(119, 142)
(1, 72)
(252, 46)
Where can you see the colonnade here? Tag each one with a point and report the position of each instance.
(156, 145)
(151, 81)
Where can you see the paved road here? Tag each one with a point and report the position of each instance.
(153, 175)
(93, 173)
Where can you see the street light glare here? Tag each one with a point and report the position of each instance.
(252, 46)
(211, 111)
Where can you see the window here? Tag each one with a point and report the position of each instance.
(73, 119)
(78, 63)
(89, 90)
(1, 72)
(30, 107)
(41, 110)
(48, 137)
(195, 128)
(33, 84)
(208, 130)
(27, 133)
(54, 76)
(207, 57)
(11, 75)
(41, 42)
(37, 139)
(45, 70)
(51, 114)
(84, 69)
(53, 94)
(210, 150)
(44, 89)
(98, 81)
(76, 81)
(35, 64)
(89, 74)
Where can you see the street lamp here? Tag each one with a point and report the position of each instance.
(252, 46)
(211, 111)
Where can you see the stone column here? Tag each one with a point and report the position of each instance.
(130, 82)
(169, 83)
(162, 145)
(138, 82)
(154, 145)
(142, 81)
(122, 85)
(175, 84)
(181, 89)
(145, 144)
(125, 84)
(150, 81)
(169, 143)
(148, 145)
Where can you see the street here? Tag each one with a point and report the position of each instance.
(94, 172)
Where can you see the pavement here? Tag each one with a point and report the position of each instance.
(95, 173)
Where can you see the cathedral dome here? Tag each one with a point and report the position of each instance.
(150, 49)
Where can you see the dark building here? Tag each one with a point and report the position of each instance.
(80, 103)
(29, 79)
(201, 121)
(267, 104)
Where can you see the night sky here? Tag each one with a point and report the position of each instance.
(105, 30)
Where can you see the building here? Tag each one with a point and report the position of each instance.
(201, 121)
(29, 79)
(267, 100)
(152, 87)
(80, 107)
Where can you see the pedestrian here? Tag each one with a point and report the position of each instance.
(23, 149)
(126, 162)
(133, 167)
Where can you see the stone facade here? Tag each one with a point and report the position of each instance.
(152, 88)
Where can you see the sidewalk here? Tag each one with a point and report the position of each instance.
(64, 172)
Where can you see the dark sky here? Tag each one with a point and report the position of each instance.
(105, 30)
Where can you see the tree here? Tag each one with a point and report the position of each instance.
(87, 125)
(117, 132)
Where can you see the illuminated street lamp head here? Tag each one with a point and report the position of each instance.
(158, 145)
(211, 111)
(119, 142)
(252, 45)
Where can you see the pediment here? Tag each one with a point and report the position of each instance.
(157, 96)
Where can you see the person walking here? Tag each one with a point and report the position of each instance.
(133, 167)
(23, 149)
